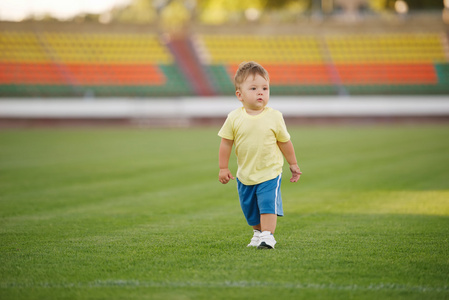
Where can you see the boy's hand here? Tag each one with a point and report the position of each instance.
(225, 175)
(296, 173)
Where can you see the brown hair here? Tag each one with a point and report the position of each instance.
(246, 69)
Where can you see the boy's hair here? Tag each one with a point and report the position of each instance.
(246, 69)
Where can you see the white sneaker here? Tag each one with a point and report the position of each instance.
(267, 240)
(255, 239)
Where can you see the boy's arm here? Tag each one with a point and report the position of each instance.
(289, 154)
(224, 153)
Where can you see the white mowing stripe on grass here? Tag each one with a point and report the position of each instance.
(232, 284)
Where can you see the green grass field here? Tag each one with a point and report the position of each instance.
(140, 214)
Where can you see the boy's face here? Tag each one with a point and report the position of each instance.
(254, 94)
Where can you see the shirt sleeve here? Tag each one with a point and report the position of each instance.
(226, 130)
(282, 134)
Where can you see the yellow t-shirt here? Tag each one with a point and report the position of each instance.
(255, 138)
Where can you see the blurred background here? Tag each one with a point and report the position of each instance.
(171, 62)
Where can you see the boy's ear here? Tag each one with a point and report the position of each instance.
(239, 95)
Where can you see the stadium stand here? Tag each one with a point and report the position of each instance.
(78, 64)
(353, 64)
(64, 61)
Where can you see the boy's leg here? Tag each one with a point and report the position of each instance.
(268, 222)
(270, 203)
(270, 206)
(248, 202)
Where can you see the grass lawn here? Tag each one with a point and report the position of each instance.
(140, 214)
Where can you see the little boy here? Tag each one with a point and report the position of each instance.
(261, 140)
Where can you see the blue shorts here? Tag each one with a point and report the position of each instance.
(262, 198)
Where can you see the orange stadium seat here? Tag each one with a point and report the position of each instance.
(295, 74)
